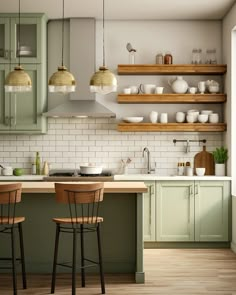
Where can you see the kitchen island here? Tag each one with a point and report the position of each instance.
(122, 229)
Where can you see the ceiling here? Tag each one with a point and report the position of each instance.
(126, 9)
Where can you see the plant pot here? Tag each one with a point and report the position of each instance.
(219, 169)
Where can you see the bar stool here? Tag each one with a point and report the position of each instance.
(10, 194)
(83, 204)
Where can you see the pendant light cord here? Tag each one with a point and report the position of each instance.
(18, 43)
(62, 39)
(103, 38)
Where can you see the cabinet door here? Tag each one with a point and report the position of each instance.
(175, 211)
(4, 40)
(4, 100)
(149, 212)
(26, 108)
(212, 201)
(30, 33)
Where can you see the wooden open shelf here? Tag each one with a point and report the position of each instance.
(174, 69)
(171, 98)
(171, 127)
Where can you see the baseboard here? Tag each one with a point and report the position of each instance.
(233, 247)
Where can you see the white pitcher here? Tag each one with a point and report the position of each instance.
(179, 85)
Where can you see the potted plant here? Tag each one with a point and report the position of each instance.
(220, 156)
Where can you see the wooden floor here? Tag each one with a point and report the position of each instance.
(168, 271)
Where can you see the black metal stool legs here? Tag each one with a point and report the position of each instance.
(74, 261)
(13, 261)
(55, 259)
(82, 255)
(22, 256)
(100, 260)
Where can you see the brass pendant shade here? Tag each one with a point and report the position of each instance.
(18, 81)
(62, 81)
(103, 81)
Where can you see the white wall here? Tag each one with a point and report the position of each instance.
(70, 142)
(229, 57)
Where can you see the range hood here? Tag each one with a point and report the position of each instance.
(80, 109)
(81, 53)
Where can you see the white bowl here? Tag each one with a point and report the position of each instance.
(194, 113)
(214, 118)
(133, 119)
(213, 88)
(200, 171)
(206, 112)
(202, 118)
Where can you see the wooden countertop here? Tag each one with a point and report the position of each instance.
(109, 187)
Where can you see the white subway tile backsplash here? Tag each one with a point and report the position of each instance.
(70, 142)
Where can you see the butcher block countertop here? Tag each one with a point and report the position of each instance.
(109, 187)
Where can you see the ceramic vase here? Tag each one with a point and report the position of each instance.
(153, 116)
(219, 169)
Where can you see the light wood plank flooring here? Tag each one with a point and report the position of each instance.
(168, 271)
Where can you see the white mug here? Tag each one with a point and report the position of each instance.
(190, 118)
(147, 88)
(134, 89)
(180, 117)
(127, 90)
(159, 90)
(164, 118)
(202, 86)
(192, 90)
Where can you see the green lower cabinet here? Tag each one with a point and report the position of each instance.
(192, 211)
(149, 220)
(175, 211)
(212, 201)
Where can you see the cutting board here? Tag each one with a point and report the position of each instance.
(204, 159)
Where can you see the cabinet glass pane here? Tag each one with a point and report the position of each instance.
(2, 40)
(28, 40)
(26, 104)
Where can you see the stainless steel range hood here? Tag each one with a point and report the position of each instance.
(81, 55)
(80, 109)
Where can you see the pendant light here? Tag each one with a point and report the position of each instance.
(103, 81)
(62, 80)
(18, 80)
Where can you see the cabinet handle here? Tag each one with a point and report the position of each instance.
(7, 121)
(196, 189)
(6, 54)
(152, 189)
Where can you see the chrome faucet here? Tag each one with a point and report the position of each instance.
(146, 150)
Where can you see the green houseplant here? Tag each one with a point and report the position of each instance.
(220, 156)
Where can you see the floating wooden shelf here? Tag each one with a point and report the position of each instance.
(171, 127)
(174, 69)
(171, 98)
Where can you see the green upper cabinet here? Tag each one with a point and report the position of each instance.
(22, 112)
(149, 221)
(32, 38)
(212, 202)
(175, 211)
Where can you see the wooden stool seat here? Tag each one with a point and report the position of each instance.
(79, 220)
(83, 202)
(10, 195)
(15, 220)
